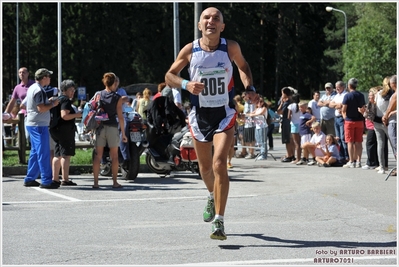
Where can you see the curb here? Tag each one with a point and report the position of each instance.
(73, 170)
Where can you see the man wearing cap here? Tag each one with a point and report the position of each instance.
(213, 115)
(353, 107)
(38, 119)
(327, 114)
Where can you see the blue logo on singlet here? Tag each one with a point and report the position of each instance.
(221, 64)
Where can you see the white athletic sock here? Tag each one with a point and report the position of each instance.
(219, 217)
(211, 195)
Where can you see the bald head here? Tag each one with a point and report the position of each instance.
(212, 12)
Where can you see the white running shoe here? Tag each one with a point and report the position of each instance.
(311, 162)
(301, 162)
(367, 167)
(349, 165)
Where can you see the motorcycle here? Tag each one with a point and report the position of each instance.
(166, 129)
(171, 152)
(137, 143)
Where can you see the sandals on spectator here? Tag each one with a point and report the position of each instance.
(240, 155)
(68, 183)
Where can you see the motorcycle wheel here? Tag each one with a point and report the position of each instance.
(134, 163)
(153, 166)
(105, 169)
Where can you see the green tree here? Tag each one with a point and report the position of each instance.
(371, 53)
(295, 44)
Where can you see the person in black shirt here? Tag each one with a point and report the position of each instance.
(62, 130)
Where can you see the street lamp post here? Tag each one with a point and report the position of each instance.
(329, 9)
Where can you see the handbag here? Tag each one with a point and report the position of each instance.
(90, 123)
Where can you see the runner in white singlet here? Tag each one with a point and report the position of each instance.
(213, 113)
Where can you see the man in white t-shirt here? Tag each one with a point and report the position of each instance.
(340, 88)
(313, 105)
(327, 117)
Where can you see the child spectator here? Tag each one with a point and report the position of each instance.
(305, 127)
(318, 138)
(330, 151)
(294, 114)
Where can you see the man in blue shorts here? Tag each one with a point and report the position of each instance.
(213, 114)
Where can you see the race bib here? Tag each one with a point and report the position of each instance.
(215, 93)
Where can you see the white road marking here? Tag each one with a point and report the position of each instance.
(107, 200)
(56, 194)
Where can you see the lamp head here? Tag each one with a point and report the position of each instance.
(329, 9)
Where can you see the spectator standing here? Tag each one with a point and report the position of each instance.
(212, 117)
(313, 104)
(246, 128)
(108, 132)
(273, 117)
(390, 118)
(37, 124)
(62, 130)
(339, 122)
(124, 146)
(144, 103)
(381, 131)
(20, 90)
(259, 116)
(353, 107)
(249, 127)
(240, 122)
(327, 114)
(139, 95)
(371, 139)
(286, 137)
(294, 116)
(239, 127)
(161, 86)
(51, 92)
(19, 93)
(305, 130)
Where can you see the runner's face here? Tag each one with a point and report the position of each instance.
(211, 22)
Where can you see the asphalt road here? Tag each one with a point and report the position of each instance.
(277, 214)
